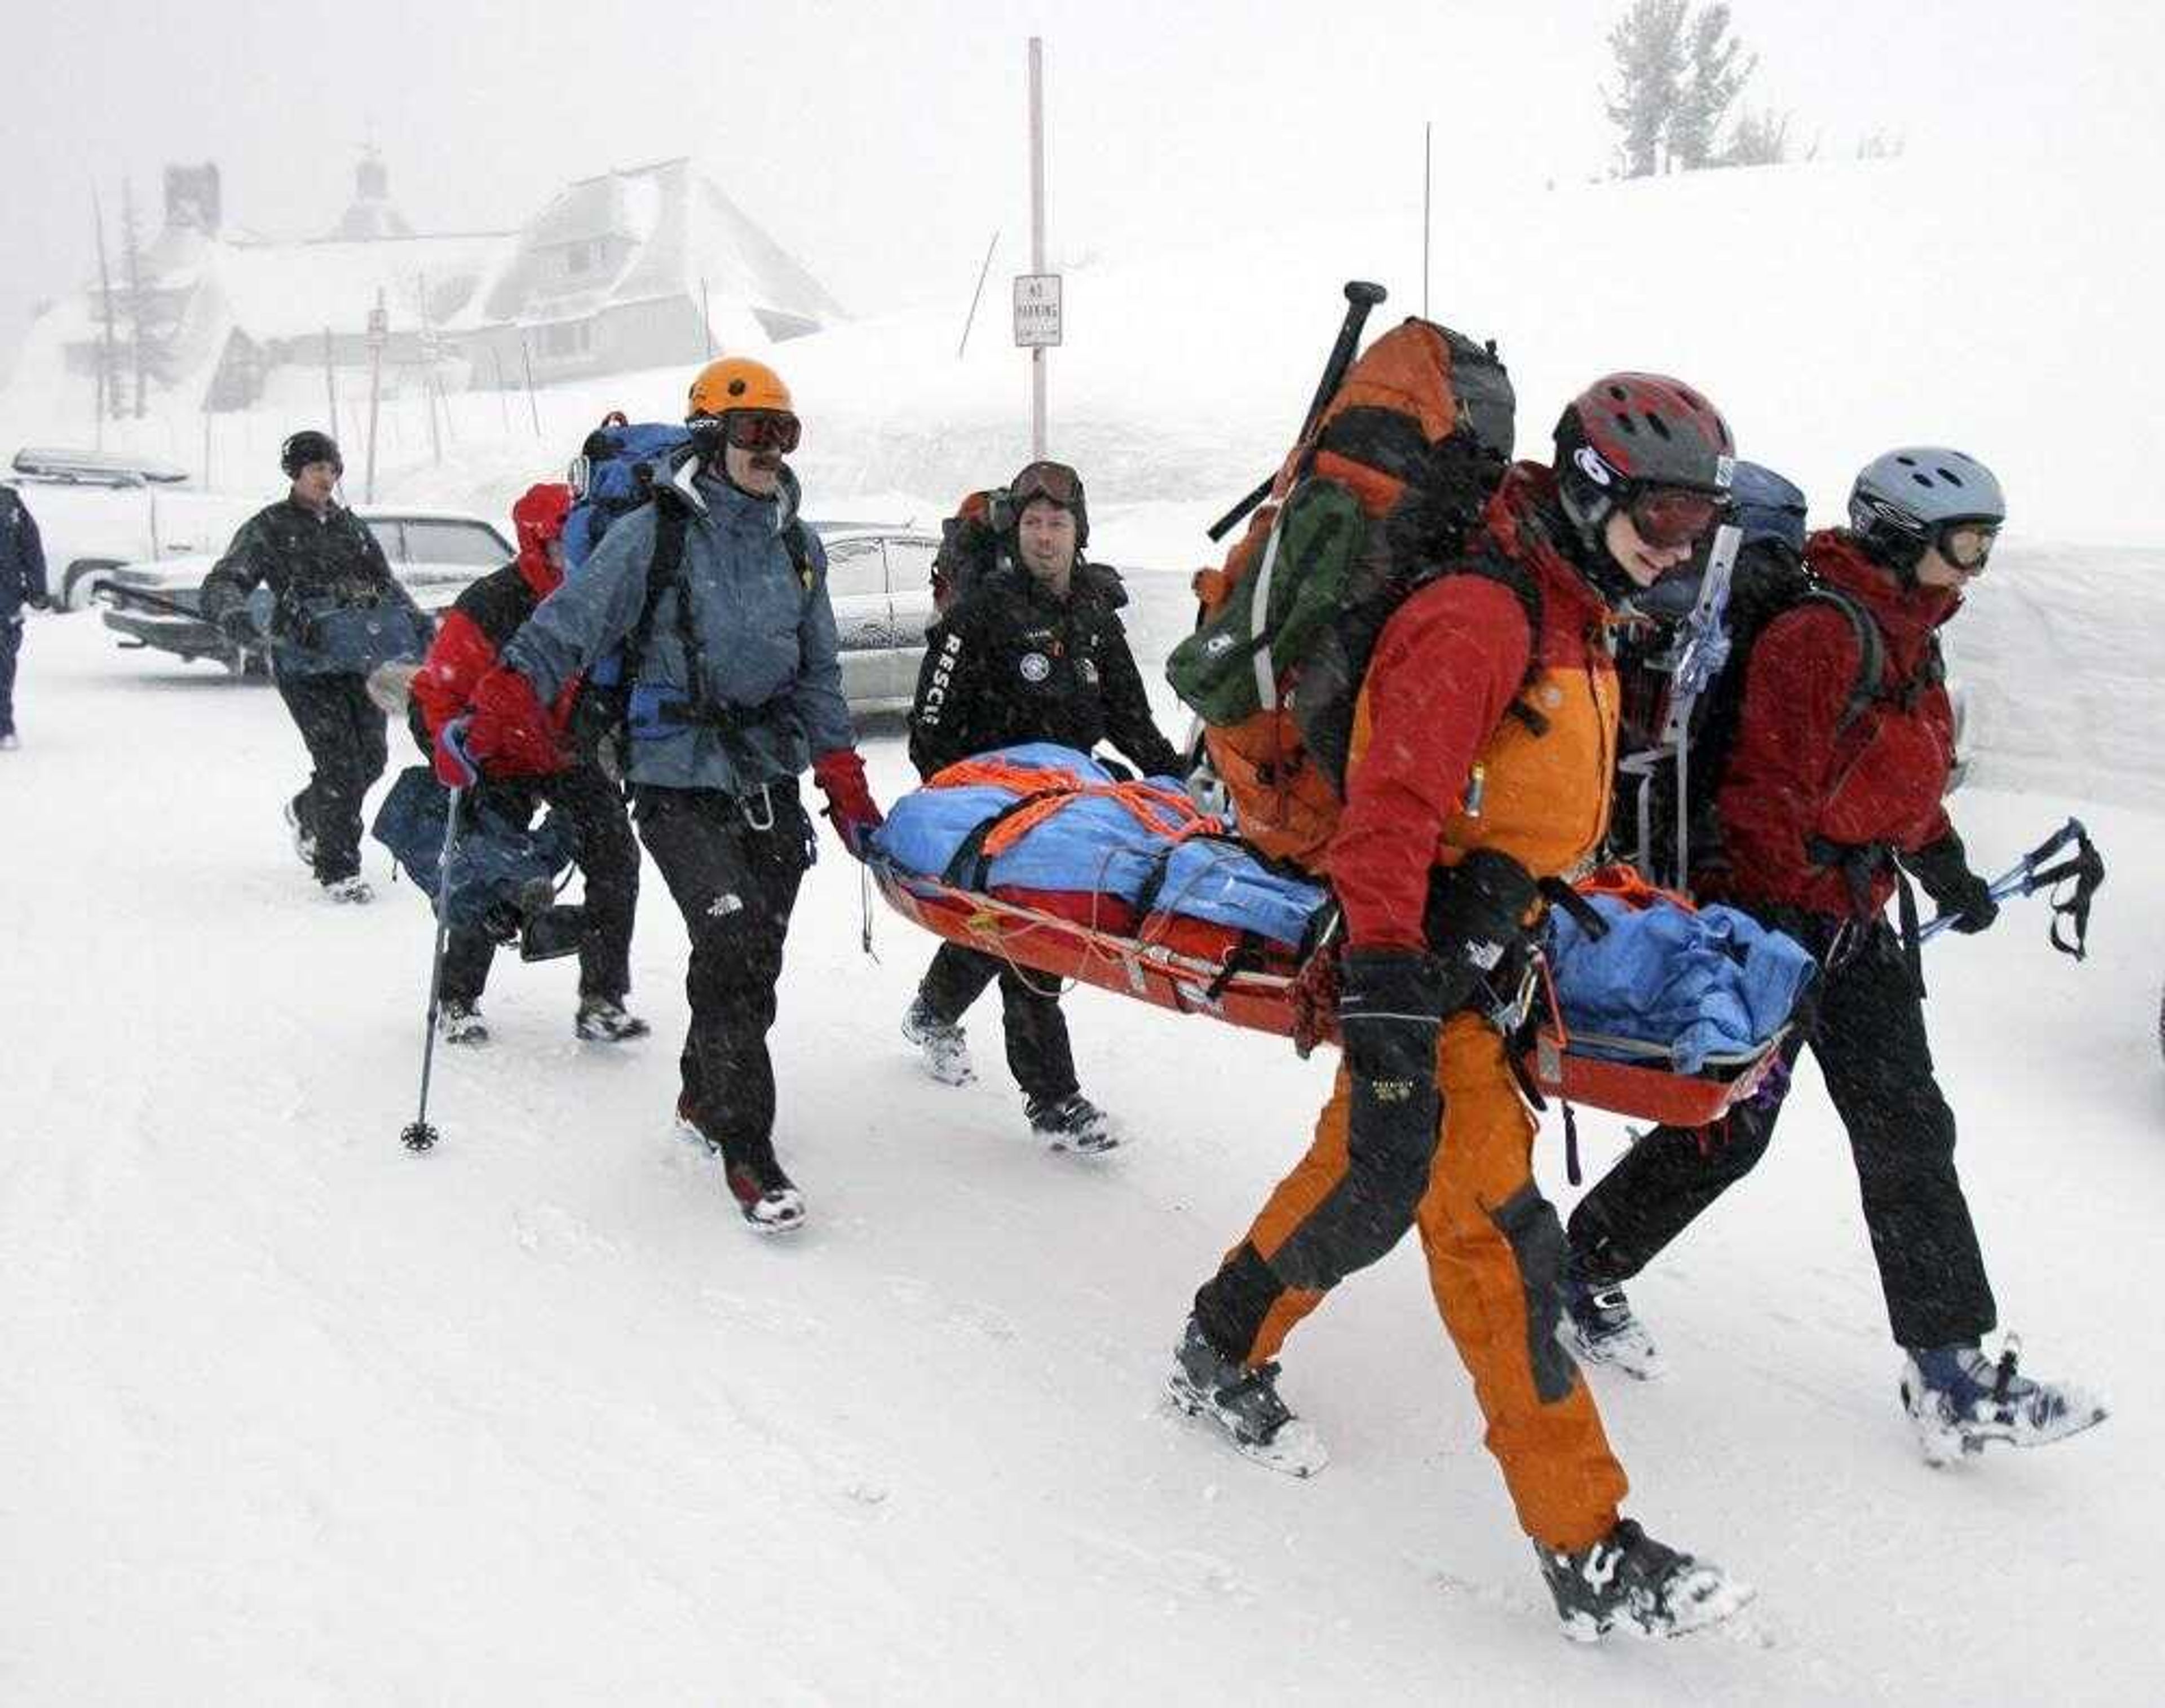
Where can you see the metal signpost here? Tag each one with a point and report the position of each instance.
(1037, 287)
(379, 334)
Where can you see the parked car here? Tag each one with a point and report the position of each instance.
(436, 554)
(97, 510)
(880, 580)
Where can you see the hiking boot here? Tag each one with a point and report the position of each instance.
(353, 891)
(943, 1046)
(1958, 1399)
(9, 741)
(1245, 1404)
(460, 1022)
(1073, 1123)
(304, 839)
(1629, 1577)
(604, 1020)
(1599, 1329)
(769, 1202)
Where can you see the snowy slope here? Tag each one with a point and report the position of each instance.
(289, 1415)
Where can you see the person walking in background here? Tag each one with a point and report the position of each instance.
(335, 613)
(22, 583)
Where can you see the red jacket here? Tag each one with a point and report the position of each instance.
(1436, 705)
(1793, 779)
(476, 630)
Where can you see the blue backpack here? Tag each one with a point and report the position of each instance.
(499, 869)
(616, 471)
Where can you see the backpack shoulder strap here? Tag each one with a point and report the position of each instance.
(796, 541)
(1508, 571)
(671, 523)
(1871, 652)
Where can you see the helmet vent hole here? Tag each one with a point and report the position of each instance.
(1921, 479)
(1659, 426)
(1950, 477)
(1696, 402)
(1618, 394)
(1626, 424)
(1907, 462)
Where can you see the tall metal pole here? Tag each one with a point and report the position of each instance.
(428, 372)
(706, 317)
(330, 382)
(374, 388)
(526, 356)
(1037, 234)
(976, 296)
(1428, 162)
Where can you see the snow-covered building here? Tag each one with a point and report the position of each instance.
(632, 268)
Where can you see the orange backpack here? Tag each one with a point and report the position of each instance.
(1424, 410)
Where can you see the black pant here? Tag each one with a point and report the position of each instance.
(11, 641)
(734, 865)
(343, 730)
(1038, 1053)
(609, 861)
(1870, 1044)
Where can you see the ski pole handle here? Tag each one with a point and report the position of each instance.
(455, 767)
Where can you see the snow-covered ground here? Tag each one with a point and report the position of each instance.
(290, 1414)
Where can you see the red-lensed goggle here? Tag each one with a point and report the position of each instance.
(1968, 544)
(1054, 480)
(1668, 517)
(762, 430)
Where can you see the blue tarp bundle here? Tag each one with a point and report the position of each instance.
(1715, 982)
(1094, 845)
(493, 859)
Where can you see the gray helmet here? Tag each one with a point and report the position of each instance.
(1903, 499)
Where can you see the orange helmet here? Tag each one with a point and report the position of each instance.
(737, 382)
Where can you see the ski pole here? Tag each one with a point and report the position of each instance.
(419, 1135)
(1360, 297)
(2029, 875)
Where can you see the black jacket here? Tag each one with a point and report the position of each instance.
(302, 558)
(1009, 663)
(22, 556)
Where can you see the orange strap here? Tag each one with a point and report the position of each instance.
(1626, 885)
(1046, 788)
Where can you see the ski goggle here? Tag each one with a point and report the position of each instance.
(762, 430)
(1968, 544)
(1055, 482)
(1668, 517)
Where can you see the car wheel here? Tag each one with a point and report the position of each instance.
(79, 586)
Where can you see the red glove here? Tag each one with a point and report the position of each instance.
(841, 776)
(511, 726)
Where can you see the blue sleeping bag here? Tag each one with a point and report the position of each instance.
(1094, 845)
(1711, 983)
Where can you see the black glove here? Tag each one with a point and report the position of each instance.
(1942, 868)
(238, 628)
(1476, 917)
(1390, 1007)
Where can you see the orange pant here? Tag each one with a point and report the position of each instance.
(1493, 1245)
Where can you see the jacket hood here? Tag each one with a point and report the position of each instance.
(1908, 615)
(1524, 517)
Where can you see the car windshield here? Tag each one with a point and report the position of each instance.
(468, 543)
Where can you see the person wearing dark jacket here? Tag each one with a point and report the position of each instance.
(22, 582)
(717, 595)
(1817, 809)
(1034, 651)
(336, 612)
(468, 646)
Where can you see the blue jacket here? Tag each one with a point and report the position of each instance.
(766, 639)
(22, 555)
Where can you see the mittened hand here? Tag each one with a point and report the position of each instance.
(1961, 896)
(1971, 904)
(841, 776)
(509, 723)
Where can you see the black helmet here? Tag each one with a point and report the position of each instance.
(308, 446)
(1057, 484)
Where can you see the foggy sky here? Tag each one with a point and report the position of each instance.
(882, 143)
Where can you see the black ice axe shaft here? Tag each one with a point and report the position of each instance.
(1360, 297)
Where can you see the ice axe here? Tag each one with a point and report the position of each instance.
(418, 1134)
(1360, 297)
(2085, 867)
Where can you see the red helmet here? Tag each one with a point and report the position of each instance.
(538, 516)
(1627, 433)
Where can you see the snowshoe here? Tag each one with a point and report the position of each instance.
(1074, 1123)
(944, 1046)
(1959, 1399)
(1245, 1405)
(460, 1022)
(769, 1202)
(1627, 1578)
(304, 839)
(602, 1020)
(353, 892)
(1599, 1329)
